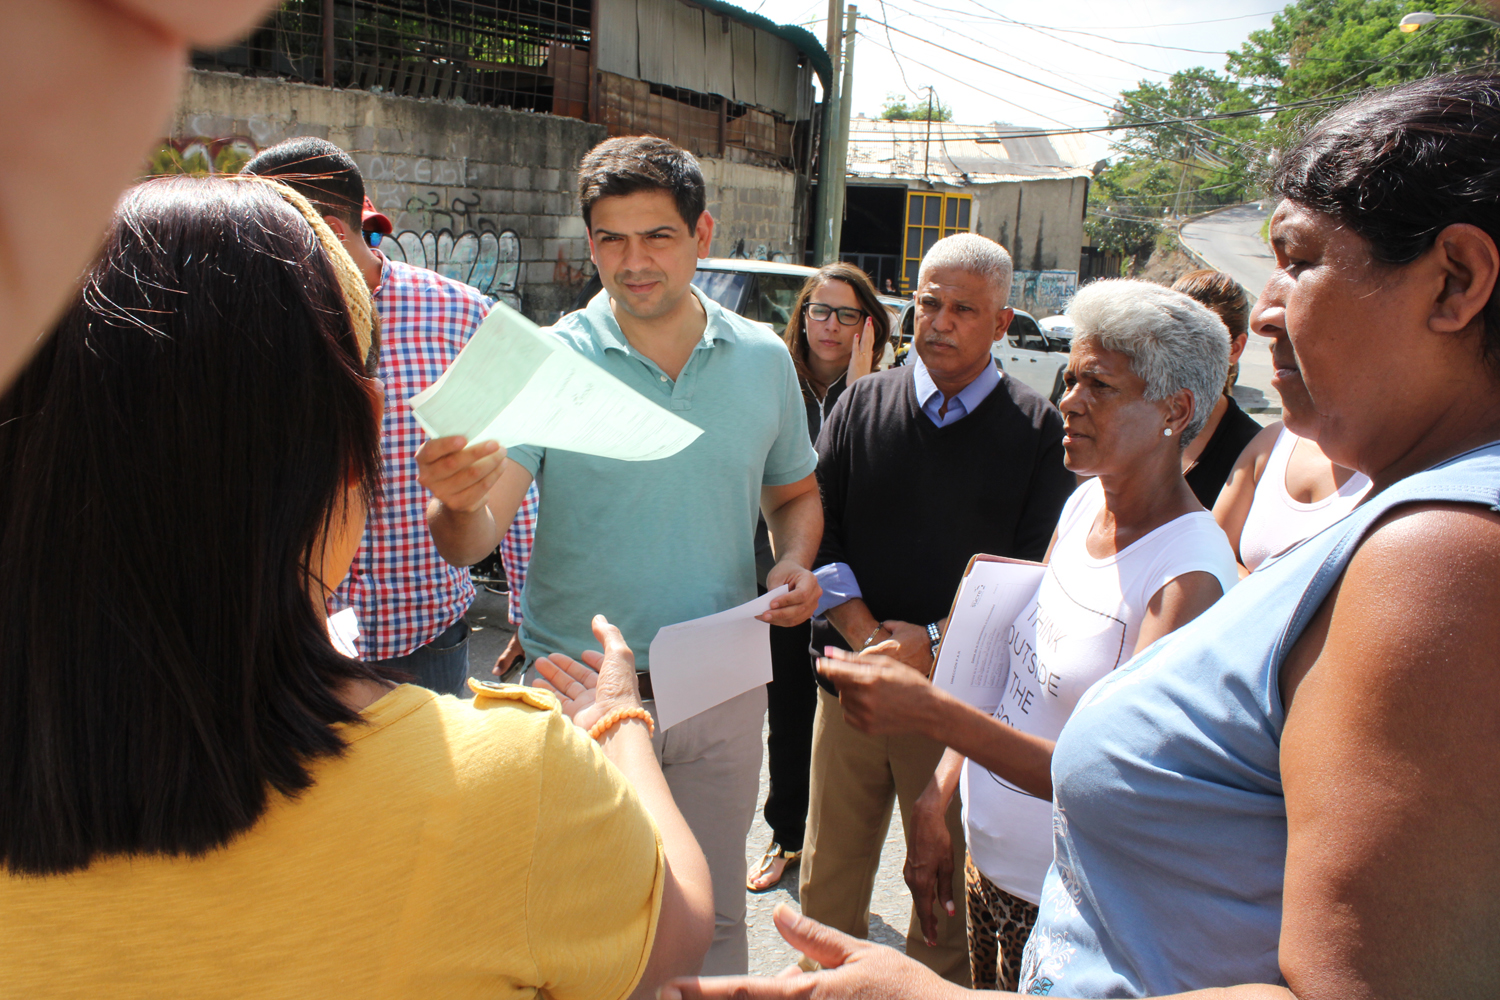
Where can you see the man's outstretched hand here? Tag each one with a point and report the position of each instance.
(853, 969)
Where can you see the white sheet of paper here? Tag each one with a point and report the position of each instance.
(516, 385)
(974, 659)
(698, 664)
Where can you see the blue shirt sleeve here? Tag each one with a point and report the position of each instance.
(839, 586)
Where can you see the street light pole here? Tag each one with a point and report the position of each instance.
(1415, 21)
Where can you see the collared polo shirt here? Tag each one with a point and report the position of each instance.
(649, 544)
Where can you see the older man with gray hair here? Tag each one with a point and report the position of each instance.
(921, 467)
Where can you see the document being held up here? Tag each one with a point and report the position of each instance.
(516, 385)
(973, 661)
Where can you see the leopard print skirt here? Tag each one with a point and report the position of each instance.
(999, 925)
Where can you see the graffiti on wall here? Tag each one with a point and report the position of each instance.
(489, 261)
(199, 154)
(761, 252)
(457, 243)
(1042, 293)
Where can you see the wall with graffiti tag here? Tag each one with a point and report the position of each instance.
(482, 195)
(1043, 293)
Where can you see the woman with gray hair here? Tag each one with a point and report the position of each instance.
(1134, 557)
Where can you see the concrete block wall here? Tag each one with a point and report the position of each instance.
(754, 210)
(1040, 221)
(484, 195)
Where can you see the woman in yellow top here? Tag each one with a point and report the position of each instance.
(201, 796)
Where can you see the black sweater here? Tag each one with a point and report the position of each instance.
(906, 503)
(1207, 478)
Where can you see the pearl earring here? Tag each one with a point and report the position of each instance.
(1166, 432)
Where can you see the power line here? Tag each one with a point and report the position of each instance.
(1195, 130)
(899, 68)
(984, 93)
(1174, 24)
(1187, 122)
(1246, 113)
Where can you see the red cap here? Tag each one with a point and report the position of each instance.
(372, 221)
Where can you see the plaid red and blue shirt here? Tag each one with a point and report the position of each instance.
(403, 592)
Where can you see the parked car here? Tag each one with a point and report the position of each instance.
(763, 290)
(1059, 332)
(1025, 353)
(766, 291)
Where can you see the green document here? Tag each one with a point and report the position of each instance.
(516, 385)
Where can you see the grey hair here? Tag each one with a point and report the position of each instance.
(973, 253)
(1173, 342)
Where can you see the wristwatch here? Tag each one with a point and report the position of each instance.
(935, 637)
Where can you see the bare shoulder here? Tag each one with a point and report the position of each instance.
(1259, 448)
(1418, 595)
(1388, 765)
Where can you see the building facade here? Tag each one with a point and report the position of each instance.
(913, 182)
(468, 119)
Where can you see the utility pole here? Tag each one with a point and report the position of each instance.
(823, 237)
(1177, 203)
(841, 184)
(927, 146)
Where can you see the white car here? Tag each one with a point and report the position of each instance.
(766, 291)
(1026, 353)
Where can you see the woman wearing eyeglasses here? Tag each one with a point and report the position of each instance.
(838, 327)
(836, 330)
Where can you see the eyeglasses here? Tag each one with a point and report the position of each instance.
(372, 238)
(847, 317)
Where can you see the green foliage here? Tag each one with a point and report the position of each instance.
(897, 110)
(1313, 49)
(1122, 214)
(1320, 47)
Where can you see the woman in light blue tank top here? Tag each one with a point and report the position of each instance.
(1297, 795)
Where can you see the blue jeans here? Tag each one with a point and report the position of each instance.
(442, 665)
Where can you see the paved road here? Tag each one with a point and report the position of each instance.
(1230, 241)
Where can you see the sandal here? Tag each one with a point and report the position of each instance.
(768, 863)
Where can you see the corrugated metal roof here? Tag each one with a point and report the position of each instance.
(898, 150)
(803, 40)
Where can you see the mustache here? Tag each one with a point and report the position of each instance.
(938, 341)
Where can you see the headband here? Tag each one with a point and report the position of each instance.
(351, 283)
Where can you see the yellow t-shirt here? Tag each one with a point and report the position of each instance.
(457, 849)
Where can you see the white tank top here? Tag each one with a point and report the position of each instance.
(1082, 623)
(1276, 522)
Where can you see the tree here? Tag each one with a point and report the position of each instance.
(1125, 208)
(897, 110)
(1316, 48)
(1182, 168)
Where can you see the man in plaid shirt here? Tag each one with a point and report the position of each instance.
(410, 603)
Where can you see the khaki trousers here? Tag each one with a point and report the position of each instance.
(712, 766)
(855, 781)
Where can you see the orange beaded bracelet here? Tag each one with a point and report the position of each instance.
(614, 718)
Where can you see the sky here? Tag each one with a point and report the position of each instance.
(1066, 83)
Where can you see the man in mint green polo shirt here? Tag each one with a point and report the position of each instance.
(649, 544)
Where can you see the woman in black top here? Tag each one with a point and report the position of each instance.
(836, 330)
(1208, 460)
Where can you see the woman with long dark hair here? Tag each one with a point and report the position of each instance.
(1297, 795)
(836, 331)
(201, 796)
